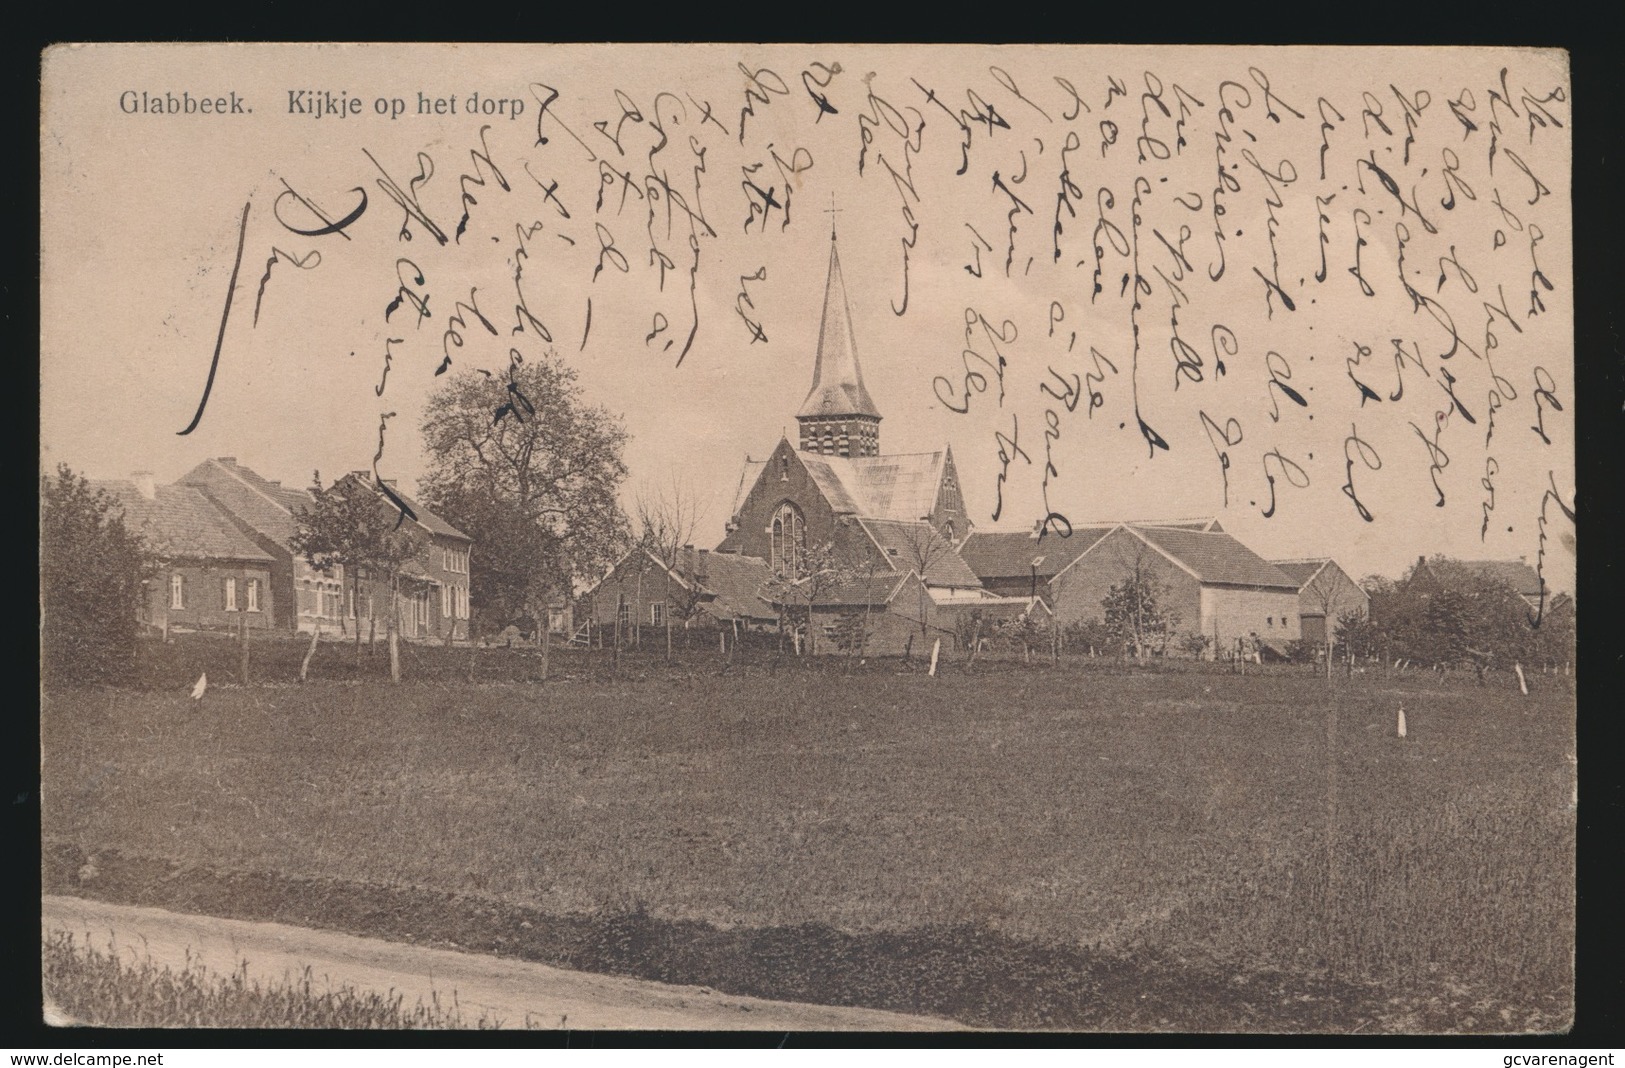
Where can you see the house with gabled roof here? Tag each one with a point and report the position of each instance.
(1024, 563)
(210, 576)
(264, 511)
(697, 590)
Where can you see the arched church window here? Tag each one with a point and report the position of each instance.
(948, 530)
(789, 540)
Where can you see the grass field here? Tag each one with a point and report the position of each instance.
(1015, 846)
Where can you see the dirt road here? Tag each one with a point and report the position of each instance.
(506, 990)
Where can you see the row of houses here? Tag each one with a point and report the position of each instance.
(224, 537)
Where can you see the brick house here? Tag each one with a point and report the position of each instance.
(263, 511)
(434, 597)
(210, 577)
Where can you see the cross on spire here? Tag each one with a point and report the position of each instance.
(830, 211)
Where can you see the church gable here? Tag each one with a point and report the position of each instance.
(948, 513)
(782, 480)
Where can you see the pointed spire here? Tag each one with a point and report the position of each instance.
(837, 388)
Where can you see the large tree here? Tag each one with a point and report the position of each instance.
(1448, 611)
(91, 573)
(531, 472)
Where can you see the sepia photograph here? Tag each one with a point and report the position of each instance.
(808, 538)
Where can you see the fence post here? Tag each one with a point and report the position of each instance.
(242, 632)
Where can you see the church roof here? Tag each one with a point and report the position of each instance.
(904, 543)
(828, 477)
(747, 482)
(837, 387)
(902, 486)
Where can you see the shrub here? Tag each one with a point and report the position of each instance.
(91, 573)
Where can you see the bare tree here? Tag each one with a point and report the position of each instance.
(821, 570)
(1329, 591)
(922, 547)
(666, 518)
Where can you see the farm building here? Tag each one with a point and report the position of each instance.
(211, 576)
(1206, 583)
(1325, 592)
(1023, 564)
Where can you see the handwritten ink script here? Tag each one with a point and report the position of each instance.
(1325, 294)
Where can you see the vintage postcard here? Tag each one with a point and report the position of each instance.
(808, 537)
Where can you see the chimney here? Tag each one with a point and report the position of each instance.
(229, 461)
(144, 484)
(276, 482)
(701, 572)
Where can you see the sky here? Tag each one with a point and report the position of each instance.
(668, 211)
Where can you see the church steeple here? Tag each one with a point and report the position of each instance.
(838, 417)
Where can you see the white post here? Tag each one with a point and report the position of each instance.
(1401, 724)
(936, 647)
(1522, 685)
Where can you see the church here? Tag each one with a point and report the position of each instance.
(888, 525)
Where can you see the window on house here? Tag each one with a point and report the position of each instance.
(349, 602)
(623, 614)
(231, 595)
(657, 613)
(445, 601)
(177, 591)
(253, 595)
(423, 608)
